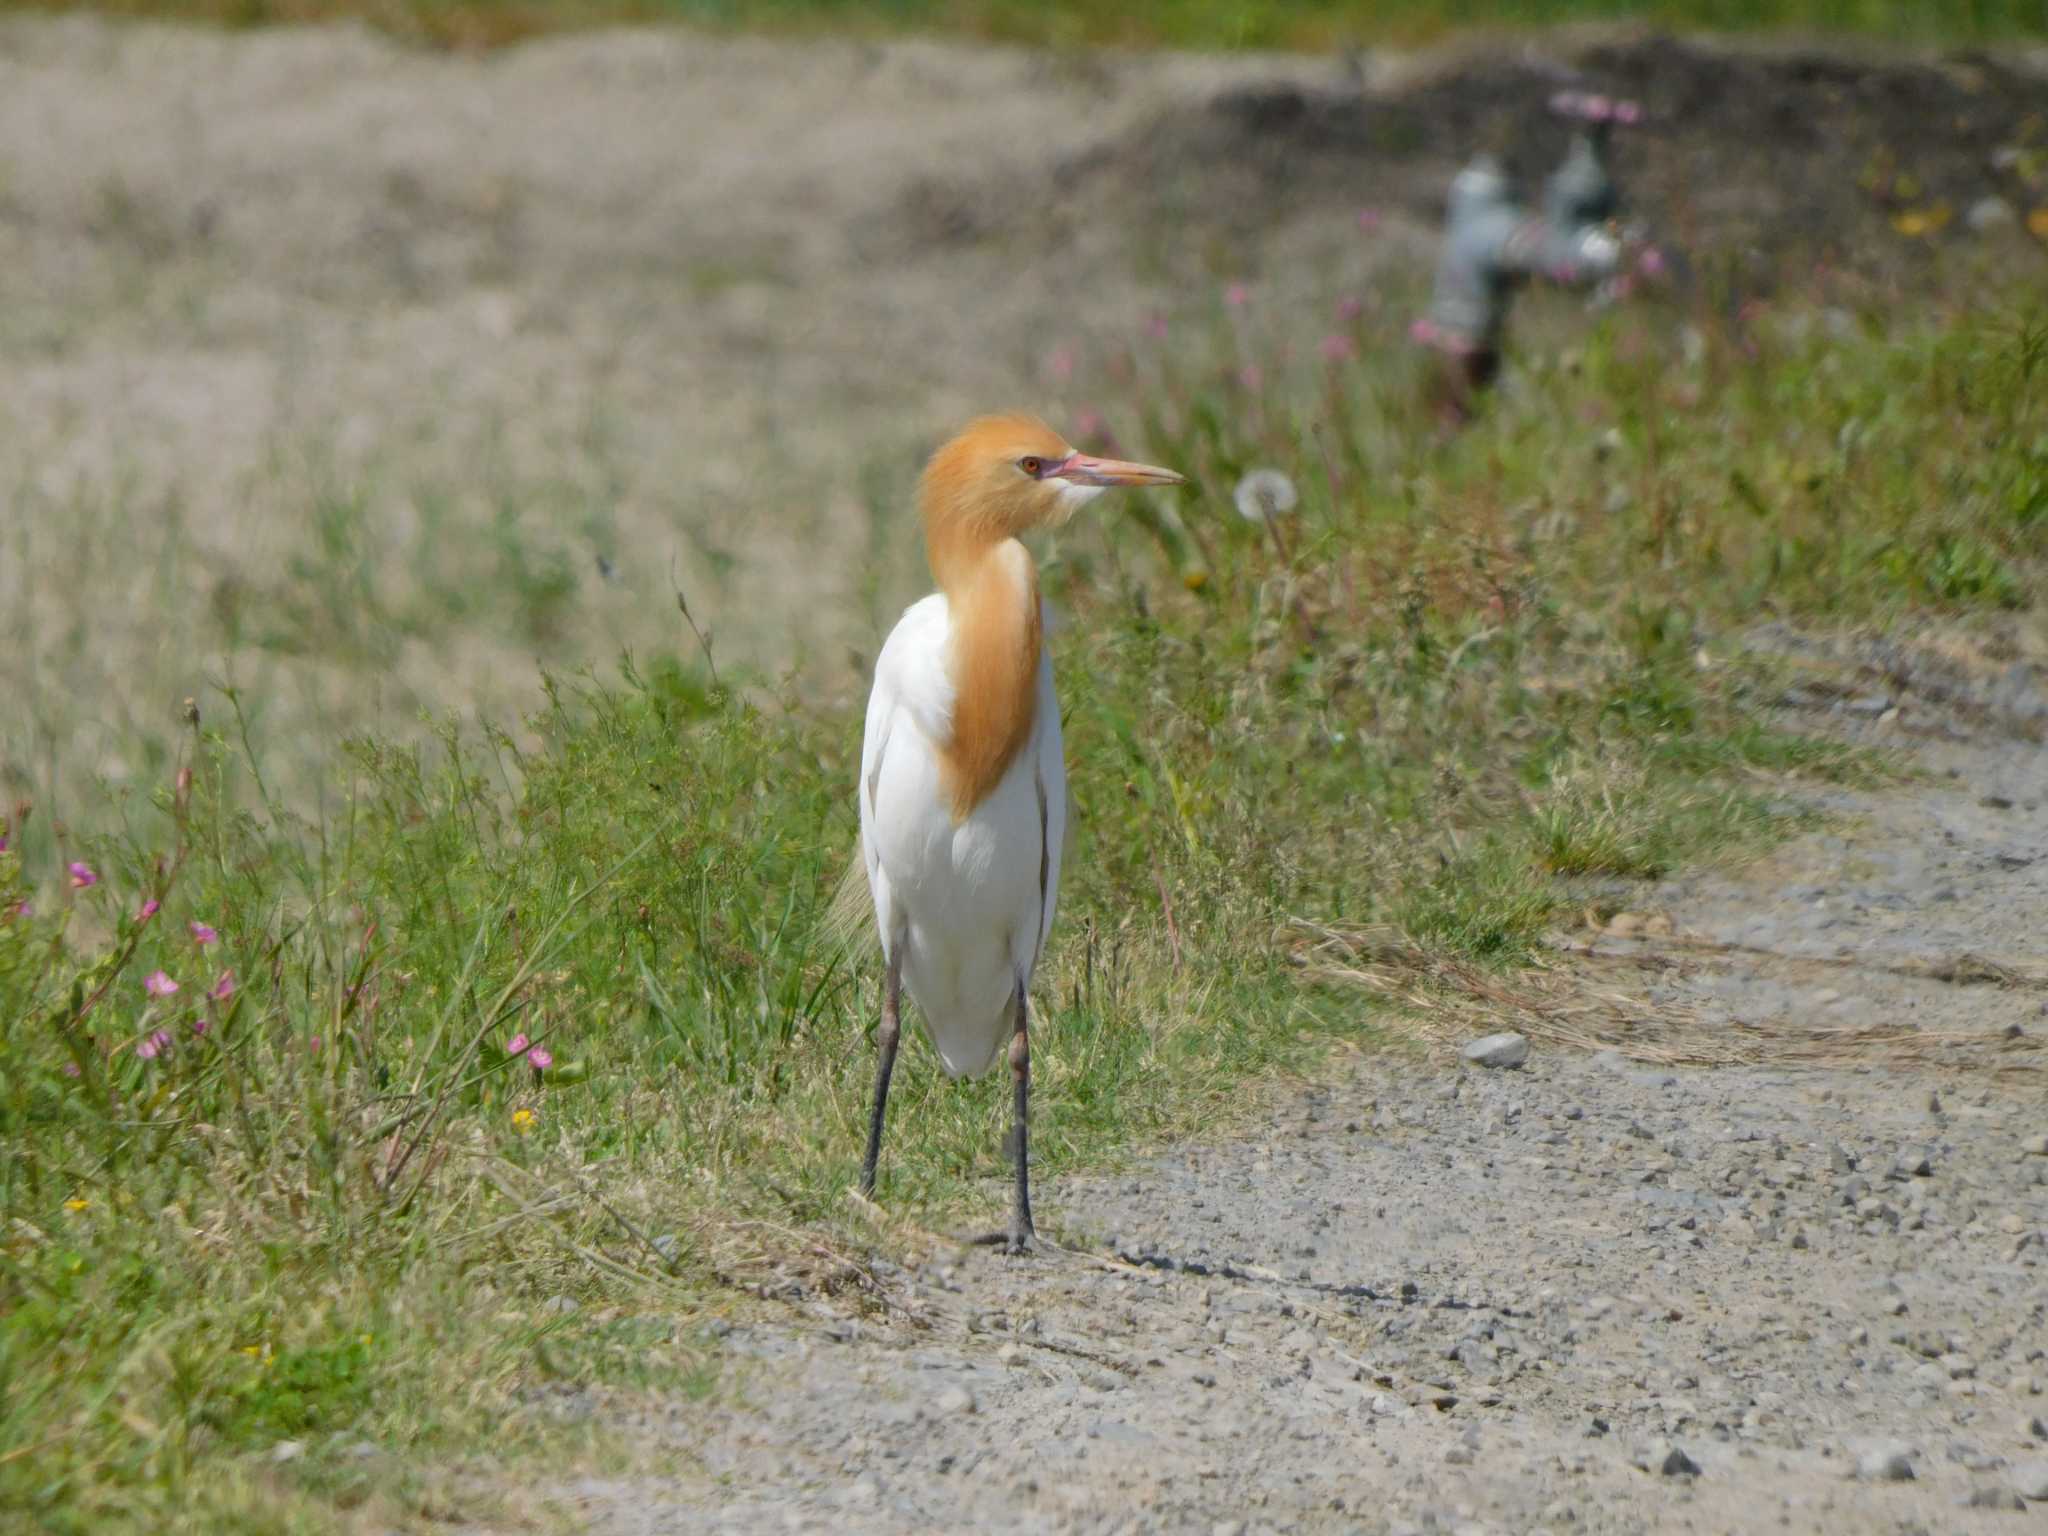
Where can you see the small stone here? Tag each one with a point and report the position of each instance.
(2030, 1479)
(2038, 1427)
(1989, 213)
(1385, 1406)
(1912, 1163)
(1009, 1354)
(1888, 1461)
(287, 1450)
(954, 1400)
(1227, 1528)
(1665, 1459)
(1958, 1366)
(1503, 1050)
(560, 1306)
(1992, 1497)
(2036, 1146)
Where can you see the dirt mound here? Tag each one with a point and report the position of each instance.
(1744, 152)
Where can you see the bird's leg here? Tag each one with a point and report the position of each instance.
(885, 1037)
(1020, 1071)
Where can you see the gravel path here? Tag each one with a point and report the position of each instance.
(1585, 1294)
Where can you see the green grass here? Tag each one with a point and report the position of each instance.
(1197, 24)
(331, 1211)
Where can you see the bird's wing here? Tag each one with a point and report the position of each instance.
(1050, 775)
(910, 680)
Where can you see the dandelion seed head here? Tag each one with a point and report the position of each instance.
(1264, 494)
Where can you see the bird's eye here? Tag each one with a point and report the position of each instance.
(1031, 464)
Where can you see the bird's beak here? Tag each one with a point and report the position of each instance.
(1086, 469)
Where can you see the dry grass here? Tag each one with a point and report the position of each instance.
(1566, 997)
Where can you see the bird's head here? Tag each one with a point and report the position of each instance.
(1005, 475)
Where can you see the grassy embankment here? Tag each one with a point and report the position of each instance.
(1297, 24)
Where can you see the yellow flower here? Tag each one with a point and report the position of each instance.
(1915, 222)
(2037, 223)
(76, 1204)
(523, 1120)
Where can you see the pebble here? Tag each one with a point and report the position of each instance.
(2036, 1146)
(1665, 1459)
(954, 1400)
(1989, 213)
(2030, 1478)
(1503, 1050)
(1991, 1497)
(1888, 1461)
(560, 1306)
(1912, 1163)
(287, 1450)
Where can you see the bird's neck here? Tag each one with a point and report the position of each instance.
(996, 640)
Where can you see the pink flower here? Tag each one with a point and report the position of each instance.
(1651, 262)
(313, 1045)
(516, 1046)
(1336, 348)
(149, 910)
(1061, 363)
(71, 1069)
(1155, 327)
(201, 934)
(1237, 295)
(156, 1043)
(1368, 220)
(1350, 308)
(199, 1024)
(1249, 377)
(157, 984)
(3, 842)
(541, 1058)
(82, 876)
(224, 988)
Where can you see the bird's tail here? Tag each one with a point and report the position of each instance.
(850, 911)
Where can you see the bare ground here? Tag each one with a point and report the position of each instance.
(1599, 1292)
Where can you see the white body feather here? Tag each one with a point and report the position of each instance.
(970, 902)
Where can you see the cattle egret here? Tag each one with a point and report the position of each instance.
(963, 800)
